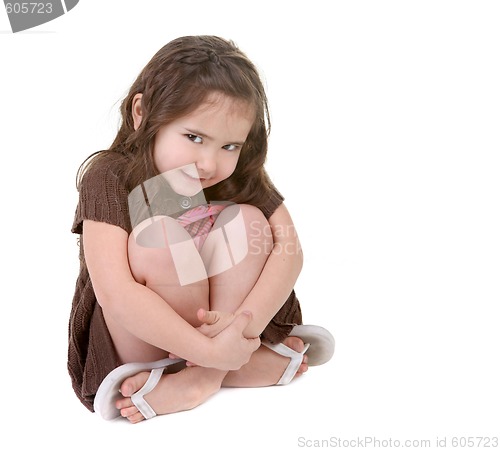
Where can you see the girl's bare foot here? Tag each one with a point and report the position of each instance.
(176, 392)
(265, 367)
(192, 386)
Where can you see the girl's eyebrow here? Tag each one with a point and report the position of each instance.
(204, 135)
(199, 133)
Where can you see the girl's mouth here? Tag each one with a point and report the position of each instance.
(191, 177)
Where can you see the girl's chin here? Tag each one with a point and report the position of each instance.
(183, 191)
(184, 185)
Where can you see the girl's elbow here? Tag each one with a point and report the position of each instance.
(106, 301)
(110, 299)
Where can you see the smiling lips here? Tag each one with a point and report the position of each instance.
(192, 177)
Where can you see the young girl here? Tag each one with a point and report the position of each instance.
(188, 256)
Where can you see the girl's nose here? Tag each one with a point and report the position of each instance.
(206, 165)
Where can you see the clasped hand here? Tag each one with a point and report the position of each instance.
(232, 349)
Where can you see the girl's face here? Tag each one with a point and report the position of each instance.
(201, 149)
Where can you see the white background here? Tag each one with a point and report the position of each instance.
(385, 143)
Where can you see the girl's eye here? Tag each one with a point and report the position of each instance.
(231, 147)
(195, 138)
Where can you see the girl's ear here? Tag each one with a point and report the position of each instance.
(137, 110)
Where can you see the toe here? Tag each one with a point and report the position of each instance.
(133, 384)
(294, 343)
(123, 403)
(128, 411)
(297, 344)
(135, 418)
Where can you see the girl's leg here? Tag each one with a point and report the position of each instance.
(164, 270)
(152, 263)
(229, 289)
(249, 241)
(225, 290)
(165, 259)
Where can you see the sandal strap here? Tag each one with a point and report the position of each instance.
(295, 360)
(138, 397)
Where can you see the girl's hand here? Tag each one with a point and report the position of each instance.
(233, 350)
(213, 321)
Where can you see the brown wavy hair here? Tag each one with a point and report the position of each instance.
(178, 79)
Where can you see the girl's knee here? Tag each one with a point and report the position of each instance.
(163, 252)
(240, 231)
(247, 213)
(256, 228)
(147, 251)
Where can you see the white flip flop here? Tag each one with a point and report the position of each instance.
(319, 348)
(108, 392)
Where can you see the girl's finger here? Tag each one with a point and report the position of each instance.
(208, 316)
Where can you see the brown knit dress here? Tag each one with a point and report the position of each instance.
(91, 353)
